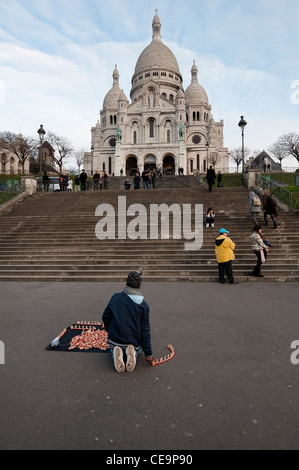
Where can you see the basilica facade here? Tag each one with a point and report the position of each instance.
(162, 126)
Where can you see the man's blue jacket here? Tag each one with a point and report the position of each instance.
(127, 322)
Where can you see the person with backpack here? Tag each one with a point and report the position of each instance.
(270, 208)
(254, 206)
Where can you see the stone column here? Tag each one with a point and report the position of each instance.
(29, 184)
(182, 156)
(116, 160)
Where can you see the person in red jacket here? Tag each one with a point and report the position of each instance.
(126, 320)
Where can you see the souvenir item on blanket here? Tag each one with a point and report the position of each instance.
(81, 336)
(155, 362)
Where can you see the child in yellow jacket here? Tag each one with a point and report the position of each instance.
(224, 250)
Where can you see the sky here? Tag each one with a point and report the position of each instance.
(57, 58)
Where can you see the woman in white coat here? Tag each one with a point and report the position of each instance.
(259, 248)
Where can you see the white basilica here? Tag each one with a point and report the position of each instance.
(163, 126)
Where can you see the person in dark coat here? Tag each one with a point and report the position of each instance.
(219, 180)
(211, 177)
(136, 181)
(126, 320)
(83, 178)
(145, 177)
(127, 183)
(46, 181)
(96, 180)
(65, 181)
(270, 208)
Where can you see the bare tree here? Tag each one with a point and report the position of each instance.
(237, 156)
(279, 151)
(22, 147)
(79, 156)
(62, 146)
(213, 158)
(290, 143)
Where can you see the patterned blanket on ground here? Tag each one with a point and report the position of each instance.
(87, 336)
(90, 336)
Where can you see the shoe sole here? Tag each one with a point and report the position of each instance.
(118, 359)
(131, 358)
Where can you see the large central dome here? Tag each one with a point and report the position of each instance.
(156, 60)
(156, 54)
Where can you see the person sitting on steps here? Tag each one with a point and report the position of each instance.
(210, 217)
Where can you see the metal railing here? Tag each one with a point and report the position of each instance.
(10, 189)
(172, 182)
(289, 198)
(234, 180)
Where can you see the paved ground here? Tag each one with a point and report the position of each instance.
(231, 384)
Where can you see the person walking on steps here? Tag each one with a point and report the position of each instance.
(270, 208)
(210, 177)
(254, 206)
(260, 249)
(126, 320)
(224, 250)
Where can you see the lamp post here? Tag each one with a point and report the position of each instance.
(41, 132)
(242, 125)
(91, 166)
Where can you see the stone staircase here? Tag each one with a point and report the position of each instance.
(51, 237)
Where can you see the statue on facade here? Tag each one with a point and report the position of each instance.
(118, 133)
(181, 130)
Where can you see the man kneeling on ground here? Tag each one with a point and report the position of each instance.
(126, 320)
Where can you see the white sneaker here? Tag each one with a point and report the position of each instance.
(118, 359)
(131, 358)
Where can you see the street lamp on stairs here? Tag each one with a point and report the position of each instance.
(242, 124)
(41, 132)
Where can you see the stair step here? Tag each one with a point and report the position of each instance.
(51, 237)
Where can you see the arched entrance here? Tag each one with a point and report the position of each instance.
(131, 166)
(150, 162)
(168, 165)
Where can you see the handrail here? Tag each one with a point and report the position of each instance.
(9, 189)
(289, 198)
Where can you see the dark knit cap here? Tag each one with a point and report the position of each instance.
(134, 279)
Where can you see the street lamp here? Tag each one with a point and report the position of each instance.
(242, 125)
(41, 132)
(91, 167)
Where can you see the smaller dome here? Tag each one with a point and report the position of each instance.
(180, 94)
(112, 97)
(122, 97)
(195, 93)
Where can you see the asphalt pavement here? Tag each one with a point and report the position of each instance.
(231, 384)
